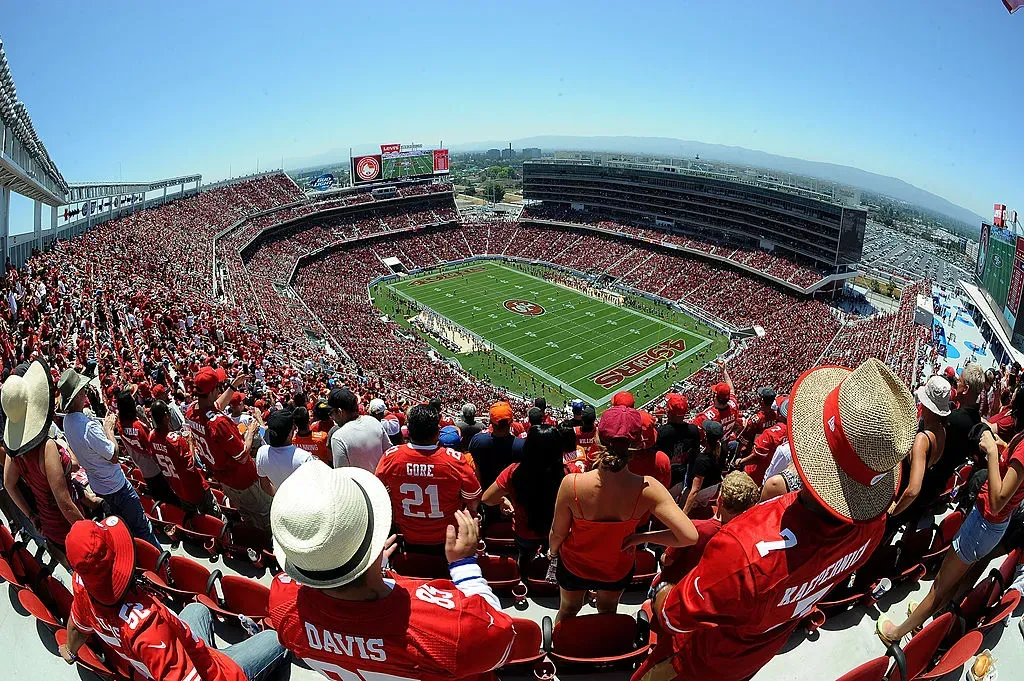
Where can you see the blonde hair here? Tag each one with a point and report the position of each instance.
(974, 377)
(738, 492)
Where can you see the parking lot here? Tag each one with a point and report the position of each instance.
(895, 252)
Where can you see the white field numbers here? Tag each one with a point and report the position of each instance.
(336, 673)
(413, 497)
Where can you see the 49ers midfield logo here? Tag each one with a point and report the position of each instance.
(524, 307)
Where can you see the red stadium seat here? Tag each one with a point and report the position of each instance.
(645, 567)
(233, 596)
(528, 647)
(89, 659)
(418, 565)
(168, 519)
(920, 650)
(956, 656)
(943, 539)
(182, 578)
(203, 530)
(230, 514)
(499, 537)
(501, 572)
(7, 541)
(913, 547)
(596, 642)
(1006, 571)
(999, 611)
(50, 602)
(21, 570)
(873, 670)
(846, 594)
(245, 542)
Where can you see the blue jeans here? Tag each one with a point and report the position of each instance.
(258, 655)
(977, 537)
(125, 504)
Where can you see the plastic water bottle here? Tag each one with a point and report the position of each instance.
(881, 588)
(249, 625)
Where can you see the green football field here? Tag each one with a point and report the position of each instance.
(586, 347)
(407, 166)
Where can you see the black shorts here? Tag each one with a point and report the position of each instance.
(570, 582)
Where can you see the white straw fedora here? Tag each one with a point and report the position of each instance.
(934, 395)
(329, 525)
(849, 431)
(28, 407)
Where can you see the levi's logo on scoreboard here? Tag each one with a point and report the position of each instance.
(390, 148)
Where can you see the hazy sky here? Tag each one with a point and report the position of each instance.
(930, 91)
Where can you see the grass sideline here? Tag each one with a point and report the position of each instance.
(551, 340)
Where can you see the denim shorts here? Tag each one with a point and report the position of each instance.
(977, 537)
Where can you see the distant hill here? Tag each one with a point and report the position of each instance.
(671, 147)
(668, 146)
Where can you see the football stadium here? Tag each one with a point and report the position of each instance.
(639, 421)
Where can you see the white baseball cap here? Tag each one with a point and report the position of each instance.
(329, 525)
(377, 406)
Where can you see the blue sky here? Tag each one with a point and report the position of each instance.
(929, 91)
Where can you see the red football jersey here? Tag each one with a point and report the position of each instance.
(427, 486)
(758, 423)
(758, 577)
(221, 447)
(151, 638)
(179, 466)
(765, 445)
(135, 440)
(587, 441)
(729, 417)
(421, 631)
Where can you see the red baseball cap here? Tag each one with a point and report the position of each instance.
(722, 391)
(159, 392)
(676, 404)
(103, 556)
(237, 398)
(623, 398)
(620, 423)
(950, 372)
(205, 381)
(649, 434)
(222, 375)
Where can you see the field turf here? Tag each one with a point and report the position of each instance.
(407, 166)
(584, 346)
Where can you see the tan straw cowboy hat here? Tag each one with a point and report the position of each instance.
(849, 431)
(28, 407)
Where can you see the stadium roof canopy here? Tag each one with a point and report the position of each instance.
(82, 191)
(25, 165)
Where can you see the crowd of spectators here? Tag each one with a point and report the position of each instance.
(130, 307)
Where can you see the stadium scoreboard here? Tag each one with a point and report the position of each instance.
(399, 161)
(1000, 271)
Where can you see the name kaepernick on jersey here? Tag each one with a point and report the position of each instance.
(802, 596)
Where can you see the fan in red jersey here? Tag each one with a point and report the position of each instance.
(135, 437)
(766, 417)
(334, 608)
(179, 465)
(766, 569)
(225, 453)
(726, 410)
(427, 483)
(766, 442)
(140, 629)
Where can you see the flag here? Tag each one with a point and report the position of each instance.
(1013, 5)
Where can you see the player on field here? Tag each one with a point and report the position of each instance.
(335, 608)
(427, 483)
(765, 570)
